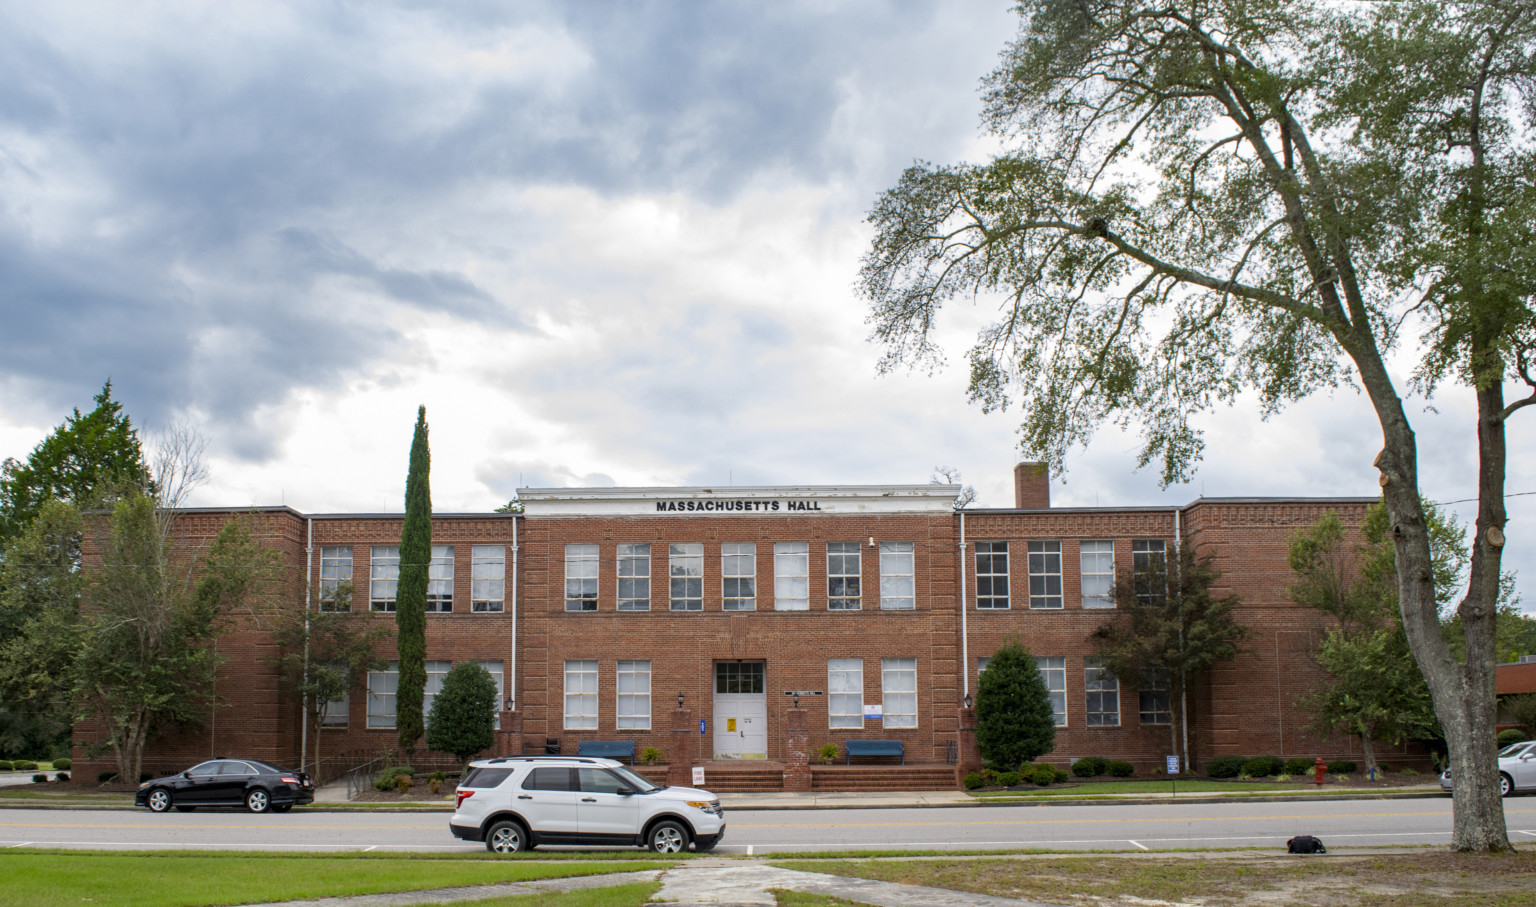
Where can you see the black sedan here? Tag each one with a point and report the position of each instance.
(256, 785)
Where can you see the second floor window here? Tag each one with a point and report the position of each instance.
(791, 576)
(488, 572)
(1098, 574)
(440, 579)
(1045, 575)
(635, 577)
(897, 582)
(738, 576)
(992, 576)
(335, 572)
(686, 576)
(843, 568)
(1149, 565)
(581, 577)
(383, 577)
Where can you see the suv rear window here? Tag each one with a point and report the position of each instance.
(485, 777)
(549, 778)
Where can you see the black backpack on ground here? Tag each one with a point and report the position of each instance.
(1305, 844)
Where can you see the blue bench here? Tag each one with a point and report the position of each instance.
(873, 748)
(608, 749)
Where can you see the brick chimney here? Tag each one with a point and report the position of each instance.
(1031, 486)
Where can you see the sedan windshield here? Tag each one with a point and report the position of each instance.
(1514, 749)
(636, 781)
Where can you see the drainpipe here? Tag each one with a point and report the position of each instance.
(309, 558)
(965, 658)
(512, 680)
(1178, 566)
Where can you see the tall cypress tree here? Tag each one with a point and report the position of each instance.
(411, 597)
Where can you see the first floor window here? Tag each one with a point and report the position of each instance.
(335, 572)
(382, 686)
(992, 576)
(436, 671)
(1103, 692)
(494, 669)
(898, 687)
(488, 577)
(440, 579)
(635, 577)
(1045, 575)
(687, 576)
(1156, 703)
(336, 709)
(580, 694)
(1098, 573)
(738, 576)
(843, 573)
(1053, 670)
(581, 577)
(845, 693)
(383, 577)
(897, 581)
(791, 576)
(634, 706)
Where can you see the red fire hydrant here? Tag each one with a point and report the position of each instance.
(1318, 766)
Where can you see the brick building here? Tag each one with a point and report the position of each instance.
(679, 618)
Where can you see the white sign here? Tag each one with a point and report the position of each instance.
(873, 712)
(698, 776)
(1173, 765)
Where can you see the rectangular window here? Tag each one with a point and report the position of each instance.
(635, 577)
(738, 576)
(686, 571)
(740, 676)
(581, 694)
(992, 575)
(335, 572)
(845, 693)
(440, 579)
(898, 687)
(383, 580)
(1103, 691)
(494, 669)
(791, 576)
(382, 686)
(981, 663)
(436, 671)
(897, 580)
(843, 572)
(1053, 670)
(1045, 575)
(634, 706)
(336, 710)
(580, 578)
(1149, 557)
(1156, 703)
(1097, 563)
(487, 578)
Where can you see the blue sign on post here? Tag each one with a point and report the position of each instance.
(1173, 765)
(701, 725)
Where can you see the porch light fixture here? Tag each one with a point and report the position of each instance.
(968, 700)
(506, 704)
(679, 700)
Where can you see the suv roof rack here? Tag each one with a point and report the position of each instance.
(590, 760)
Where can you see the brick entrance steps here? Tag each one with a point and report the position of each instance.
(744, 777)
(882, 777)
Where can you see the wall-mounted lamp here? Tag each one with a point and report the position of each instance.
(679, 700)
(968, 700)
(506, 704)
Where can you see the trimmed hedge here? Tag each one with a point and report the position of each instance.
(1341, 767)
(1009, 779)
(61, 776)
(1083, 768)
(5, 765)
(1121, 769)
(1513, 735)
(63, 764)
(973, 781)
(24, 766)
(39, 779)
(1299, 766)
(1045, 775)
(1263, 766)
(1225, 766)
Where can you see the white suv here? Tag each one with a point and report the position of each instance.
(517, 802)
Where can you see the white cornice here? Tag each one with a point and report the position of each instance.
(734, 501)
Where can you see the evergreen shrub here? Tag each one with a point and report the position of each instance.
(1062, 776)
(61, 776)
(973, 781)
(24, 766)
(386, 779)
(1083, 768)
(1510, 736)
(1008, 779)
(63, 764)
(5, 765)
(39, 779)
(1121, 769)
(1225, 766)
(1341, 767)
(1298, 766)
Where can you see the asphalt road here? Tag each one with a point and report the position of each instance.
(1356, 823)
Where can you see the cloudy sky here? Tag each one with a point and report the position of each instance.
(603, 243)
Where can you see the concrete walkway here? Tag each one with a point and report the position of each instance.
(716, 883)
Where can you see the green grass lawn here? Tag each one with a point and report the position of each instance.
(635, 895)
(1100, 788)
(52, 878)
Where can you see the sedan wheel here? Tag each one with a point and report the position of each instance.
(668, 837)
(1506, 786)
(159, 799)
(505, 837)
(257, 801)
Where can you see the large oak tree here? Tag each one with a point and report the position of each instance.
(1203, 198)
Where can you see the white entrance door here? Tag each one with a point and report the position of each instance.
(741, 710)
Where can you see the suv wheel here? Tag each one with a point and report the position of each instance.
(667, 837)
(506, 837)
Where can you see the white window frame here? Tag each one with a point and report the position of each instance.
(1053, 670)
(791, 576)
(335, 569)
(498, 673)
(1143, 553)
(1155, 705)
(898, 576)
(685, 576)
(1045, 576)
(440, 580)
(898, 692)
(738, 576)
(437, 670)
(992, 586)
(581, 562)
(580, 694)
(632, 561)
(1096, 577)
(337, 711)
(845, 694)
(1101, 695)
(383, 686)
(844, 592)
(633, 686)
(383, 577)
(487, 578)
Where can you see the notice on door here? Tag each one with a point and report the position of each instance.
(730, 725)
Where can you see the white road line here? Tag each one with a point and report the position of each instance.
(374, 847)
(1140, 845)
(1524, 832)
(22, 844)
(749, 850)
